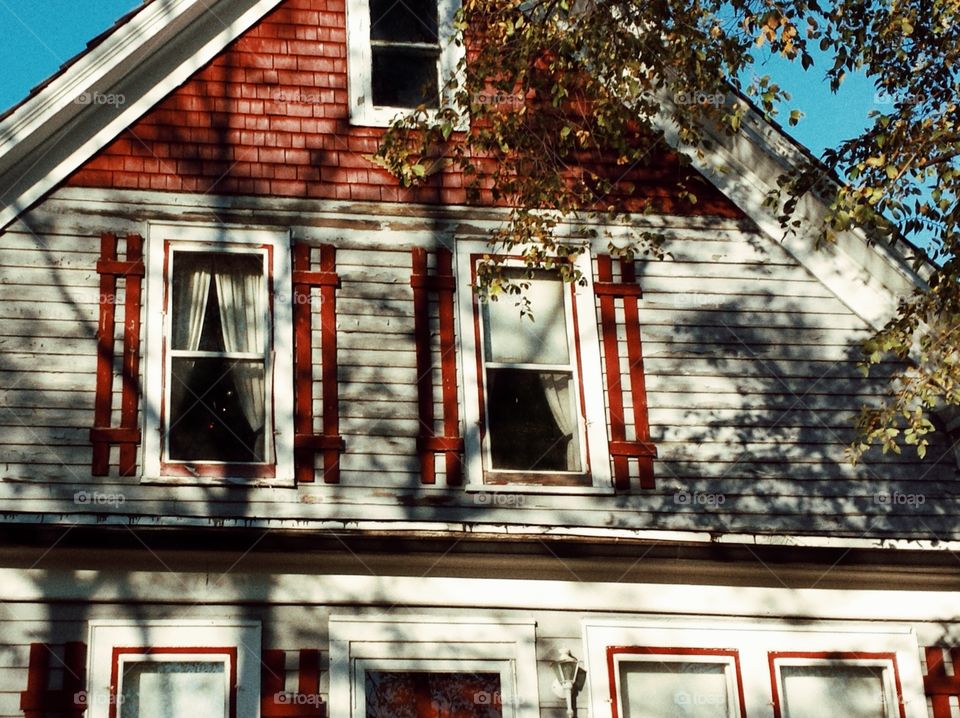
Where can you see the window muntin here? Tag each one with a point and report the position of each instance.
(653, 682)
(401, 55)
(219, 350)
(530, 379)
(855, 686)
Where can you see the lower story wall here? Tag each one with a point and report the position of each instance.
(341, 634)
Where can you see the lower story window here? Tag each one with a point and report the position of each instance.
(159, 684)
(168, 669)
(853, 686)
(672, 667)
(421, 667)
(653, 682)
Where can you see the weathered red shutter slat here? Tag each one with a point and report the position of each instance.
(428, 443)
(127, 435)
(641, 448)
(306, 442)
(939, 686)
(38, 699)
(275, 702)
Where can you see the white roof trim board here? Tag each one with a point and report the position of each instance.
(51, 135)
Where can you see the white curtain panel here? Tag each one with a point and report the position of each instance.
(192, 282)
(240, 294)
(557, 388)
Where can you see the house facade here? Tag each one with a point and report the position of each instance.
(265, 453)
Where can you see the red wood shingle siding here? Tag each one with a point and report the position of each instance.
(269, 116)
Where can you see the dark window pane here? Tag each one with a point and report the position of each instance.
(524, 422)
(405, 77)
(419, 694)
(403, 20)
(216, 410)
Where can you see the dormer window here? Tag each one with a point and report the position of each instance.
(401, 55)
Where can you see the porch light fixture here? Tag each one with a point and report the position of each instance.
(567, 668)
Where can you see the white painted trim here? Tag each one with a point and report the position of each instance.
(105, 635)
(360, 63)
(279, 383)
(753, 641)
(614, 598)
(149, 25)
(407, 642)
(731, 166)
(590, 373)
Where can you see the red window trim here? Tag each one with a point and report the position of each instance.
(103, 435)
(229, 651)
(506, 477)
(613, 651)
(450, 444)
(773, 656)
(191, 469)
(38, 700)
(621, 450)
(306, 442)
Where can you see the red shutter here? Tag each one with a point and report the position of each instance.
(641, 449)
(450, 443)
(39, 700)
(104, 435)
(939, 686)
(306, 442)
(275, 702)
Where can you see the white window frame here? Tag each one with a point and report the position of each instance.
(754, 643)
(360, 63)
(433, 644)
(107, 635)
(588, 377)
(279, 367)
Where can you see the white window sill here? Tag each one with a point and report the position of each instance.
(538, 489)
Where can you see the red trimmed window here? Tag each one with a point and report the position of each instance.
(696, 682)
(532, 380)
(174, 668)
(219, 355)
(853, 685)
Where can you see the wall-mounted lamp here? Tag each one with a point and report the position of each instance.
(567, 668)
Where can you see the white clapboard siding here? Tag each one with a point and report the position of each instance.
(751, 375)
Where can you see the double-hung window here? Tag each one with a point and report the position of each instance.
(402, 55)
(216, 349)
(532, 380)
